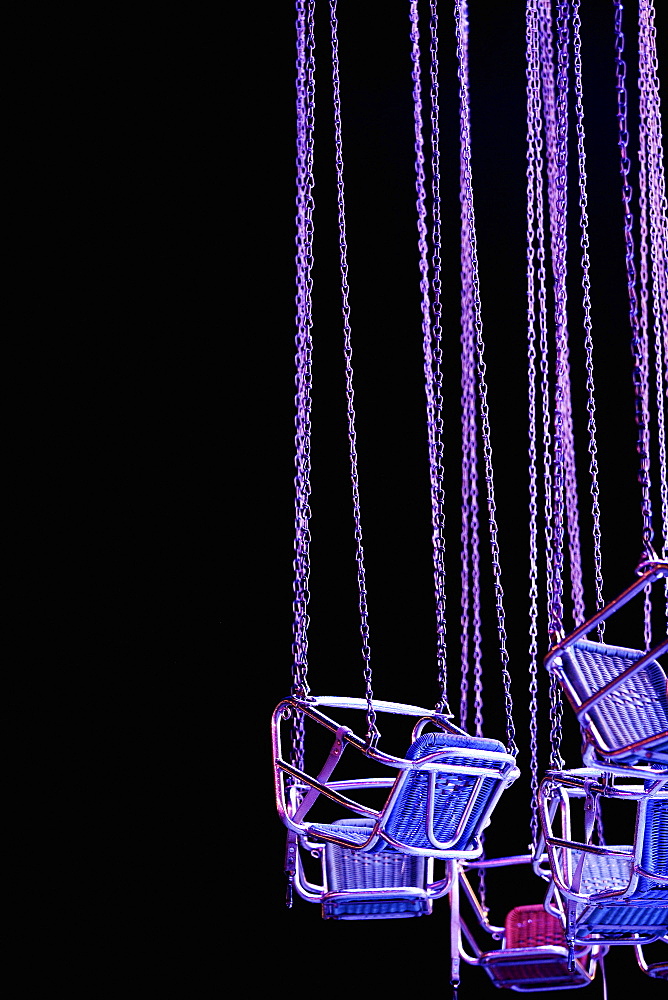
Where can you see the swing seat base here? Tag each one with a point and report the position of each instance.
(382, 885)
(536, 956)
(534, 969)
(387, 905)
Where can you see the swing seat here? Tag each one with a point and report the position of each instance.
(613, 894)
(626, 723)
(641, 914)
(441, 794)
(534, 957)
(371, 886)
(618, 694)
(438, 809)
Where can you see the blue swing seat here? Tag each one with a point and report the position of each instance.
(612, 894)
(431, 811)
(372, 885)
(625, 721)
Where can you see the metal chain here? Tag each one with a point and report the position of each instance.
(641, 415)
(534, 168)
(373, 734)
(560, 181)
(471, 619)
(551, 155)
(438, 501)
(304, 239)
(586, 302)
(658, 223)
(432, 388)
(460, 20)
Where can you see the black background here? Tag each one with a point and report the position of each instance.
(306, 952)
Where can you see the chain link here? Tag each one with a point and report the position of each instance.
(586, 302)
(304, 345)
(431, 363)
(534, 171)
(372, 730)
(460, 17)
(641, 414)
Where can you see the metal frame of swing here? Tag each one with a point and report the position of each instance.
(476, 772)
(606, 894)
(603, 703)
(533, 956)
(380, 862)
(655, 970)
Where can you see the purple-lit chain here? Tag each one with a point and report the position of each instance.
(436, 478)
(470, 506)
(464, 118)
(586, 303)
(643, 324)
(548, 86)
(467, 416)
(372, 730)
(534, 170)
(304, 345)
(470, 522)
(570, 475)
(468, 429)
(439, 498)
(641, 415)
(658, 211)
(560, 181)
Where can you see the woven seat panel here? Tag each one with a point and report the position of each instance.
(635, 711)
(370, 909)
(407, 823)
(531, 927)
(355, 831)
(602, 872)
(622, 916)
(654, 856)
(350, 869)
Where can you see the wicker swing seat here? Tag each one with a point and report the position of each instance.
(612, 894)
(619, 694)
(378, 863)
(534, 956)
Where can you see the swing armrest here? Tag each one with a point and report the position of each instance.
(583, 707)
(655, 572)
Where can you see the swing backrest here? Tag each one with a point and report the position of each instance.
(532, 927)
(630, 720)
(462, 801)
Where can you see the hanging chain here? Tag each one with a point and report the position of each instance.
(586, 302)
(304, 345)
(560, 182)
(460, 16)
(641, 415)
(650, 124)
(431, 366)
(552, 158)
(534, 185)
(438, 501)
(372, 730)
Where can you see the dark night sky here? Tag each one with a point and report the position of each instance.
(387, 356)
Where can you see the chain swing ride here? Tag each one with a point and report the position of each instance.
(415, 819)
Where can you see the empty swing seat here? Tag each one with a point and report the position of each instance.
(627, 723)
(611, 894)
(618, 694)
(372, 885)
(535, 954)
(440, 810)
